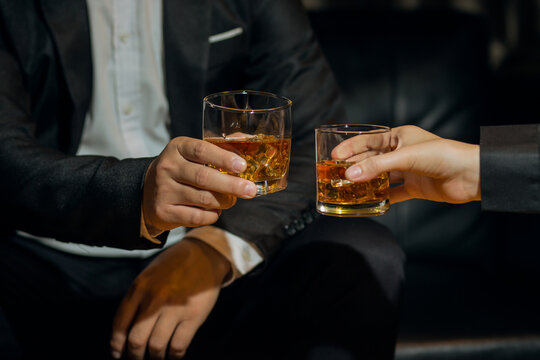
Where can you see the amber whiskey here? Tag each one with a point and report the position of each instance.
(340, 197)
(267, 159)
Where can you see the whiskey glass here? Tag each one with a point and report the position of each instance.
(257, 126)
(337, 196)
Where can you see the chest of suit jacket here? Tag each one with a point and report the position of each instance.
(50, 40)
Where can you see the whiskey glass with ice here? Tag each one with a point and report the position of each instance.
(257, 126)
(337, 196)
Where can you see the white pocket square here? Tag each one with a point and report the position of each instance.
(225, 35)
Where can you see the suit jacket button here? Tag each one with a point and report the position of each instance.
(308, 217)
(299, 225)
(289, 230)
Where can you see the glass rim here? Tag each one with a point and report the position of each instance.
(207, 100)
(353, 128)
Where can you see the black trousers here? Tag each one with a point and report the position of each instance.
(332, 292)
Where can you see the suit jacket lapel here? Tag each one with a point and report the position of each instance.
(186, 28)
(68, 22)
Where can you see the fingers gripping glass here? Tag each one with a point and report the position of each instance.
(257, 126)
(337, 148)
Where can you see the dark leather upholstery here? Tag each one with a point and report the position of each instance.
(463, 299)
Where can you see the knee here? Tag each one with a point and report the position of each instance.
(360, 246)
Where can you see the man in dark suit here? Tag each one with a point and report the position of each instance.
(90, 93)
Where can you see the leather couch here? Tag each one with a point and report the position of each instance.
(471, 276)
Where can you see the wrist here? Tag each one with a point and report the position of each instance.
(147, 231)
(473, 173)
(222, 267)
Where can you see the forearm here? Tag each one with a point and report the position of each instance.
(88, 200)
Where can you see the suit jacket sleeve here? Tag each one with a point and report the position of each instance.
(91, 200)
(510, 168)
(286, 59)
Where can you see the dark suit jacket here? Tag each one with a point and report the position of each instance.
(45, 90)
(510, 168)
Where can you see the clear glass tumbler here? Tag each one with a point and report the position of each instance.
(257, 126)
(337, 196)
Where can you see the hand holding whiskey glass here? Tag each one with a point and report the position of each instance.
(257, 126)
(337, 148)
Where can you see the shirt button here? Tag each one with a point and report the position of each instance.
(127, 109)
(124, 37)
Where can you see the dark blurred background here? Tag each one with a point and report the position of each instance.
(473, 288)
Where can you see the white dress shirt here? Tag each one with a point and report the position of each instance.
(129, 113)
